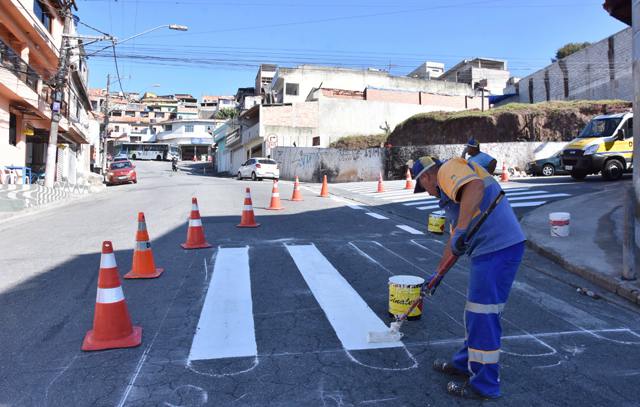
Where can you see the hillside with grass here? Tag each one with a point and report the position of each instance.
(548, 121)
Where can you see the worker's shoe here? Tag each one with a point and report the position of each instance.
(442, 366)
(465, 391)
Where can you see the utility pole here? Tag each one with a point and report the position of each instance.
(633, 214)
(58, 98)
(105, 131)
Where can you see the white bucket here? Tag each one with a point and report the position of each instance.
(559, 222)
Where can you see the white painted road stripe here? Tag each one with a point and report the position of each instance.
(375, 215)
(347, 312)
(356, 207)
(521, 198)
(527, 204)
(410, 229)
(526, 193)
(422, 202)
(388, 193)
(424, 208)
(226, 327)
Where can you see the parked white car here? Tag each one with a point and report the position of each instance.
(257, 168)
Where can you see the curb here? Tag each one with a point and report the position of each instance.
(615, 285)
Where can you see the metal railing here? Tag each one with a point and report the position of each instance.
(14, 63)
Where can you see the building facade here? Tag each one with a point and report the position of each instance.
(493, 73)
(30, 40)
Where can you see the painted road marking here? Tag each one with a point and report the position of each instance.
(424, 208)
(377, 216)
(520, 198)
(421, 202)
(347, 312)
(226, 327)
(356, 207)
(525, 193)
(527, 204)
(410, 229)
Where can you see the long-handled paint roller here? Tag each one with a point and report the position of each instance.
(394, 334)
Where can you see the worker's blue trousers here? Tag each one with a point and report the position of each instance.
(490, 281)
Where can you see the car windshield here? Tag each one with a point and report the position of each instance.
(600, 128)
(267, 162)
(120, 165)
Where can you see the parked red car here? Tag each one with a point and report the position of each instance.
(121, 172)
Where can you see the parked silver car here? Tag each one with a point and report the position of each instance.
(259, 167)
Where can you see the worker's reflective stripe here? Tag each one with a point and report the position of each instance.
(109, 295)
(484, 308)
(143, 246)
(142, 226)
(483, 356)
(107, 261)
(247, 208)
(195, 223)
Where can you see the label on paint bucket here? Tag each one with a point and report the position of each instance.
(437, 221)
(560, 224)
(403, 291)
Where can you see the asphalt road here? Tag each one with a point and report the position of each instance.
(278, 315)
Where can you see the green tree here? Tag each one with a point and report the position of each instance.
(226, 113)
(569, 49)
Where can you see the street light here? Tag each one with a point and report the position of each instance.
(175, 27)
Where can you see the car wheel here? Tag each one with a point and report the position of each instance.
(158, 157)
(578, 175)
(548, 170)
(133, 156)
(135, 181)
(613, 170)
(253, 176)
(239, 176)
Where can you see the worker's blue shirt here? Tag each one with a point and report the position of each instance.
(501, 229)
(481, 159)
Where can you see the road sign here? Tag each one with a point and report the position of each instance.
(273, 140)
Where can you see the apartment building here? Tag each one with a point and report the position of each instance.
(476, 72)
(30, 40)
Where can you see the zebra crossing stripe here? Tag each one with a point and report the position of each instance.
(426, 201)
(521, 198)
(377, 216)
(424, 208)
(226, 328)
(526, 193)
(527, 204)
(410, 229)
(348, 314)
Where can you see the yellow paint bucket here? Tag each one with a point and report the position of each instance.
(403, 291)
(436, 222)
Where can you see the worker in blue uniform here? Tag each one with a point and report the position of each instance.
(476, 156)
(466, 190)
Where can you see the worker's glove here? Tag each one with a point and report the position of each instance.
(459, 245)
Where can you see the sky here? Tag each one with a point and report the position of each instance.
(228, 39)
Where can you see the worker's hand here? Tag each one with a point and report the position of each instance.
(436, 282)
(458, 244)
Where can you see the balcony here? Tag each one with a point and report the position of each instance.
(12, 62)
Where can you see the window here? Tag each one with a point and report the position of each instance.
(43, 16)
(94, 105)
(188, 128)
(159, 115)
(168, 127)
(630, 128)
(13, 131)
(144, 114)
(316, 141)
(130, 113)
(292, 89)
(116, 128)
(116, 113)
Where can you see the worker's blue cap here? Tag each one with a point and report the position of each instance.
(473, 143)
(421, 165)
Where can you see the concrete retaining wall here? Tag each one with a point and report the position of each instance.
(310, 164)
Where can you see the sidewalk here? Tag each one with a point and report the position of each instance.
(594, 248)
(17, 200)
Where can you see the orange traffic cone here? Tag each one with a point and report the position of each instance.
(408, 184)
(248, 219)
(275, 204)
(380, 185)
(112, 326)
(297, 195)
(504, 177)
(195, 233)
(143, 264)
(324, 192)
